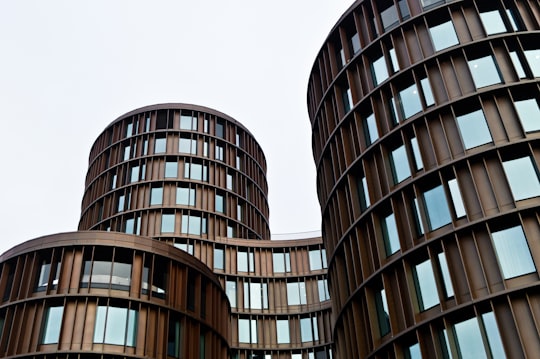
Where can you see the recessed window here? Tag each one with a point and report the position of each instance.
(281, 262)
(393, 59)
(493, 22)
(370, 129)
(134, 174)
(383, 315)
(50, 333)
(160, 145)
(185, 196)
(282, 329)
(390, 235)
(196, 171)
(219, 258)
(247, 331)
(417, 156)
(47, 271)
(324, 294)
(245, 261)
(317, 259)
(355, 46)
(219, 203)
(255, 295)
(229, 183)
(414, 352)
(192, 224)
(379, 70)
(127, 153)
(436, 205)
(346, 96)
(220, 130)
(171, 169)
(129, 130)
(156, 196)
(426, 287)
(230, 289)
(484, 71)
(513, 252)
(219, 152)
(389, 14)
(445, 272)
(116, 326)
(296, 293)
(457, 200)
(308, 329)
(533, 58)
(363, 193)
(522, 178)
(474, 343)
(409, 100)
(443, 36)
(188, 122)
(517, 65)
(428, 3)
(428, 94)
(474, 129)
(121, 203)
(400, 164)
(174, 339)
(167, 223)
(529, 114)
(187, 145)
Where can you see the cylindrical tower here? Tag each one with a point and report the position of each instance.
(175, 172)
(426, 124)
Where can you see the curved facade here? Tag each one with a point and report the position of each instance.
(425, 122)
(178, 173)
(86, 294)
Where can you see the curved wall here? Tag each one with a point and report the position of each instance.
(425, 137)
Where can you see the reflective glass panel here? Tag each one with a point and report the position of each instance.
(400, 164)
(410, 101)
(379, 70)
(417, 156)
(533, 58)
(382, 312)
(389, 17)
(437, 209)
(443, 36)
(315, 262)
(370, 128)
(414, 351)
(156, 196)
(219, 258)
(428, 94)
(282, 326)
(484, 71)
(363, 193)
(53, 323)
(185, 196)
(493, 22)
(167, 223)
(390, 234)
(324, 295)
(305, 329)
(522, 177)
(474, 129)
(493, 335)
(513, 252)
(160, 146)
(171, 169)
(355, 45)
(529, 114)
(426, 285)
(457, 200)
(469, 339)
(517, 65)
(230, 288)
(219, 203)
(443, 266)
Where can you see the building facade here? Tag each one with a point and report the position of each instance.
(175, 200)
(426, 123)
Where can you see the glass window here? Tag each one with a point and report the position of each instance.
(533, 58)
(219, 258)
(363, 193)
(185, 196)
(247, 331)
(355, 46)
(167, 223)
(282, 328)
(445, 272)
(428, 94)
(220, 130)
(324, 294)
(379, 70)
(230, 289)
(383, 315)
(457, 200)
(42, 280)
(186, 247)
(282, 262)
(443, 36)
(160, 146)
(517, 65)
(414, 352)
(417, 156)
(230, 232)
(469, 338)
(127, 151)
(115, 326)
(493, 22)
(256, 295)
(315, 260)
(219, 203)
(522, 178)
(346, 97)
(390, 235)
(305, 330)
(426, 287)
(50, 333)
(245, 261)
(193, 225)
(493, 335)
(174, 339)
(229, 182)
(370, 129)
(529, 114)
(196, 171)
(239, 212)
(513, 252)
(134, 174)
(296, 293)
(389, 16)
(219, 152)
(188, 122)
(156, 196)
(436, 206)
(427, 3)
(474, 129)
(187, 145)
(393, 60)
(484, 71)
(171, 169)
(400, 164)
(409, 101)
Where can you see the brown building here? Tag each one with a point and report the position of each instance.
(425, 136)
(186, 186)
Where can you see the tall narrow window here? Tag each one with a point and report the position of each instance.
(363, 193)
(347, 99)
(219, 258)
(390, 235)
(409, 100)
(379, 70)
(428, 94)
(370, 129)
(513, 252)
(296, 293)
(522, 178)
(457, 200)
(156, 196)
(167, 223)
(445, 272)
(474, 129)
(400, 164)
(282, 331)
(324, 294)
(383, 315)
(436, 206)
(50, 333)
(230, 289)
(518, 66)
(247, 331)
(219, 203)
(484, 71)
(417, 156)
(426, 287)
(174, 340)
(355, 44)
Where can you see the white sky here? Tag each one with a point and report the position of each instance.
(69, 68)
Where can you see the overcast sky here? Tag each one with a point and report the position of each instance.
(69, 68)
